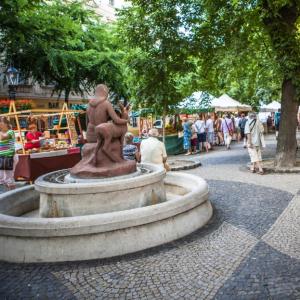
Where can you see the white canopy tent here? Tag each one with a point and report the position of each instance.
(271, 107)
(226, 103)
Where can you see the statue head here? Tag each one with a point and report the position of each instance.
(101, 91)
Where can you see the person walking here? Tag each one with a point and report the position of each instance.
(242, 124)
(227, 129)
(255, 141)
(7, 153)
(187, 135)
(218, 130)
(210, 132)
(201, 135)
(237, 128)
(194, 138)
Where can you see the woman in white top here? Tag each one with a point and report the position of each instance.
(201, 134)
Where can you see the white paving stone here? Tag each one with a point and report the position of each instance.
(284, 235)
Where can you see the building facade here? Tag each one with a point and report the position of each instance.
(107, 8)
(43, 96)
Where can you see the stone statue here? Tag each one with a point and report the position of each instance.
(102, 155)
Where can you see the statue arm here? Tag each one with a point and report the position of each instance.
(114, 116)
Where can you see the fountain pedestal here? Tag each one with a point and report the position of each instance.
(78, 197)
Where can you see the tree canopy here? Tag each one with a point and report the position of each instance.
(157, 52)
(248, 49)
(60, 42)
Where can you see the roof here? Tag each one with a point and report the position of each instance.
(226, 103)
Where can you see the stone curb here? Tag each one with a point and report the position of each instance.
(189, 166)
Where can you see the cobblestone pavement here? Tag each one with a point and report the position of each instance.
(249, 250)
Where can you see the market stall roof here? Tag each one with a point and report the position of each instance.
(226, 103)
(197, 102)
(271, 107)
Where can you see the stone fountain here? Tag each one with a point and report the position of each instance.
(104, 206)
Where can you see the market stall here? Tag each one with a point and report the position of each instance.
(226, 104)
(56, 145)
(274, 106)
(31, 166)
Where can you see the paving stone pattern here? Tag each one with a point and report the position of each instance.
(285, 233)
(265, 274)
(249, 207)
(249, 250)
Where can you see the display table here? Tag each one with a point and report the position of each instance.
(31, 166)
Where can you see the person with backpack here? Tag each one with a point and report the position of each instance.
(255, 141)
(242, 125)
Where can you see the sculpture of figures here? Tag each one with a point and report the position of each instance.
(102, 155)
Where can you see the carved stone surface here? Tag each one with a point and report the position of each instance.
(102, 155)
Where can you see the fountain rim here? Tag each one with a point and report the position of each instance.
(89, 224)
(157, 173)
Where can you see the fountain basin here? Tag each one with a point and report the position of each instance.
(33, 239)
(94, 196)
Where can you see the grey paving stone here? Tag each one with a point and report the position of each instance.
(265, 274)
(250, 207)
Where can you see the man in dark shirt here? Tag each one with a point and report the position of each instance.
(242, 125)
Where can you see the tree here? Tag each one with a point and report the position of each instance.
(254, 40)
(157, 52)
(60, 42)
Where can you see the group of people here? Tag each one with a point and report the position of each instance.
(201, 134)
(152, 150)
(204, 133)
(8, 157)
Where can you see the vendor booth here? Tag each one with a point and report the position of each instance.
(54, 147)
(271, 107)
(226, 104)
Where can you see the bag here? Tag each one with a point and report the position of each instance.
(6, 163)
(252, 122)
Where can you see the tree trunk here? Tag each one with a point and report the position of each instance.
(287, 139)
(67, 94)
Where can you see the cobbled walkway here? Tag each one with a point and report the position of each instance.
(249, 250)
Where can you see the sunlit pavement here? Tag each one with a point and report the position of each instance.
(249, 250)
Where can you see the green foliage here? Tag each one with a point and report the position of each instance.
(60, 42)
(156, 52)
(177, 47)
(245, 48)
